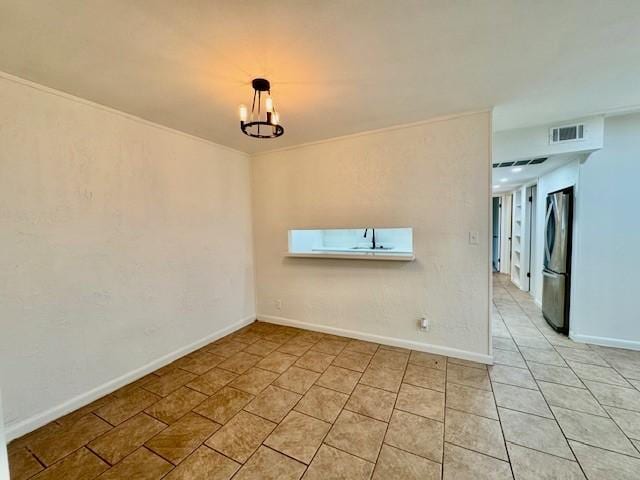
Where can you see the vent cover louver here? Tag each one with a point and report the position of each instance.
(521, 163)
(566, 133)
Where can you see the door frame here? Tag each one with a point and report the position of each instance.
(530, 234)
(505, 234)
(497, 248)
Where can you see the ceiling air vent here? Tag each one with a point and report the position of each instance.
(566, 133)
(520, 163)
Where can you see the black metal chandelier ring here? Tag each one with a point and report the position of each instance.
(269, 126)
(247, 126)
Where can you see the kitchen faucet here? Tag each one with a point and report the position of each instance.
(373, 237)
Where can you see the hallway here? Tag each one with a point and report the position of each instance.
(580, 394)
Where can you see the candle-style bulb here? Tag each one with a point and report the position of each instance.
(268, 105)
(275, 118)
(243, 113)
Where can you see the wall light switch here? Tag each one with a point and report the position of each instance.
(474, 238)
(424, 324)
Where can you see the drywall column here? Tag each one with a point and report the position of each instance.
(605, 286)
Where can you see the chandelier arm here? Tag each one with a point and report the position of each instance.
(253, 105)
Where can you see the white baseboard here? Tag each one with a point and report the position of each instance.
(606, 341)
(34, 422)
(370, 337)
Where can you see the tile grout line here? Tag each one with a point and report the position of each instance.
(338, 415)
(404, 372)
(280, 334)
(536, 380)
(568, 365)
(549, 406)
(444, 416)
(322, 442)
(44, 467)
(241, 410)
(75, 450)
(504, 438)
(300, 399)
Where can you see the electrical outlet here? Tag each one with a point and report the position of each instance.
(279, 304)
(474, 238)
(424, 324)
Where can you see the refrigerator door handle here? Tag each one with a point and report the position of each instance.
(547, 252)
(555, 213)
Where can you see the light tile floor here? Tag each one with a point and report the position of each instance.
(272, 402)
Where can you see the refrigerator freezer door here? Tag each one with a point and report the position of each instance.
(553, 299)
(557, 230)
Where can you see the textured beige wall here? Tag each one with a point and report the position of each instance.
(433, 177)
(120, 242)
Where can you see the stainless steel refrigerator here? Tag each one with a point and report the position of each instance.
(556, 274)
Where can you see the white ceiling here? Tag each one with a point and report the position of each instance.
(507, 179)
(337, 67)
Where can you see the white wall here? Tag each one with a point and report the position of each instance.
(121, 242)
(606, 234)
(605, 305)
(532, 142)
(433, 177)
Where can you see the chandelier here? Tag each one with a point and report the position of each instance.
(269, 125)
